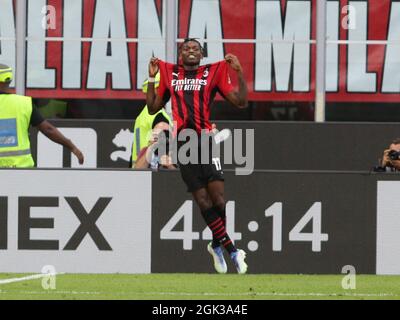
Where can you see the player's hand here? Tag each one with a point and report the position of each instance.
(78, 153)
(233, 61)
(214, 128)
(153, 66)
(166, 160)
(395, 164)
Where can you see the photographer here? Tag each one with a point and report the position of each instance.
(391, 157)
(150, 157)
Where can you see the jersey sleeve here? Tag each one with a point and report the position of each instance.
(163, 89)
(224, 82)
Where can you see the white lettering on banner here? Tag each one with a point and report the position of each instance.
(316, 236)
(279, 67)
(283, 58)
(332, 49)
(187, 235)
(275, 211)
(7, 30)
(205, 22)
(391, 72)
(109, 57)
(92, 222)
(38, 76)
(51, 154)
(72, 50)
(149, 27)
(359, 80)
(297, 233)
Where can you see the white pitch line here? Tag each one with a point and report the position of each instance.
(32, 277)
(269, 294)
(254, 294)
(48, 292)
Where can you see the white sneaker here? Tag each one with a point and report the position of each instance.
(218, 256)
(238, 259)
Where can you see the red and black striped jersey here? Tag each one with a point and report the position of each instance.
(192, 92)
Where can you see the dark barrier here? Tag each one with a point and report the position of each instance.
(318, 146)
(278, 145)
(314, 222)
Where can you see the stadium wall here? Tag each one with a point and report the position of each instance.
(78, 221)
(278, 145)
(68, 42)
(109, 221)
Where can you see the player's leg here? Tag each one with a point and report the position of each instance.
(213, 174)
(216, 193)
(191, 175)
(214, 222)
(213, 219)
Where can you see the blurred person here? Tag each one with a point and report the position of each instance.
(17, 113)
(192, 88)
(150, 157)
(144, 124)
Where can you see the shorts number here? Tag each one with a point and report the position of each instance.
(217, 163)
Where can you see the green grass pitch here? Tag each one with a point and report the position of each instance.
(200, 287)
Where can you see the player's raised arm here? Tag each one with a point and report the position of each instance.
(153, 101)
(238, 98)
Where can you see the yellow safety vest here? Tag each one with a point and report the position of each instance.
(15, 117)
(142, 130)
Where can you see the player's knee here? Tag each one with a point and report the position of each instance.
(220, 204)
(204, 203)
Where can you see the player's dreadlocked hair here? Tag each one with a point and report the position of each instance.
(195, 40)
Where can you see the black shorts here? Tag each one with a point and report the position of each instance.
(199, 175)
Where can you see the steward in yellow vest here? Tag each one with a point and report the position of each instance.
(17, 113)
(144, 125)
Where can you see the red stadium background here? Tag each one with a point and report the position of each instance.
(238, 20)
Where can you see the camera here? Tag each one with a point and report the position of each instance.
(380, 169)
(394, 155)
